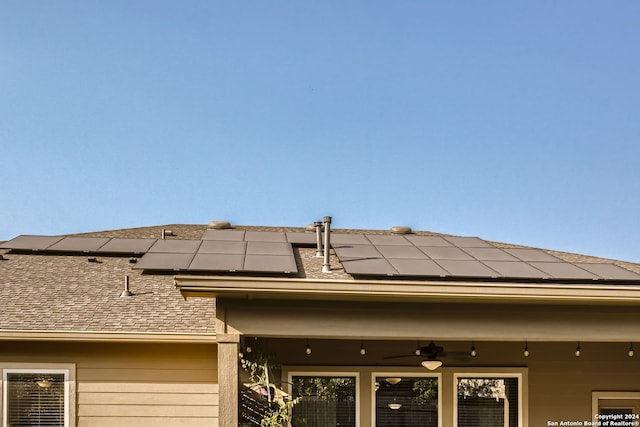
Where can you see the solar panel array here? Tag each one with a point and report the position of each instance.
(465, 257)
(360, 254)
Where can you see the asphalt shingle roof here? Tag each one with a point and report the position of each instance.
(66, 292)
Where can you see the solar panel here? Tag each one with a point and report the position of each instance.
(349, 239)
(269, 248)
(301, 238)
(356, 251)
(468, 242)
(368, 266)
(563, 270)
(390, 252)
(164, 261)
(265, 236)
(516, 269)
(467, 268)
(418, 267)
(29, 242)
(176, 246)
(126, 246)
(270, 263)
(222, 247)
(428, 241)
(490, 254)
(223, 235)
(609, 271)
(79, 244)
(532, 255)
(217, 262)
(382, 239)
(441, 252)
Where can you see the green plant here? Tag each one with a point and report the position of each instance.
(279, 403)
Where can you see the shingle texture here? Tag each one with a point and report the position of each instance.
(66, 292)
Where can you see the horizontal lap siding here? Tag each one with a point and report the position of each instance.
(135, 385)
(157, 386)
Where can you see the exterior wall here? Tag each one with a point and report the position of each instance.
(559, 385)
(121, 384)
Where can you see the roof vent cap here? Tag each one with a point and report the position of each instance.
(401, 229)
(219, 225)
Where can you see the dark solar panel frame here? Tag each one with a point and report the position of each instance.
(176, 246)
(394, 252)
(217, 262)
(516, 269)
(356, 251)
(467, 268)
(126, 246)
(269, 248)
(79, 244)
(445, 253)
(490, 254)
(31, 242)
(265, 236)
(428, 241)
(609, 271)
(387, 240)
(418, 267)
(368, 266)
(468, 242)
(237, 235)
(299, 238)
(164, 261)
(222, 247)
(348, 239)
(529, 255)
(270, 264)
(563, 270)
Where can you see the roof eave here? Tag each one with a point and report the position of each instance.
(399, 290)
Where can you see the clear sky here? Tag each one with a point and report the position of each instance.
(515, 121)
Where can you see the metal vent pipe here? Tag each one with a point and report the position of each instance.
(126, 292)
(326, 267)
(318, 226)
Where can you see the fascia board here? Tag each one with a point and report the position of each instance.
(397, 290)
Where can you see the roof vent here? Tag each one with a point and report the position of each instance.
(401, 229)
(126, 292)
(219, 225)
(166, 233)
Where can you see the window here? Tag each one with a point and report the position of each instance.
(36, 397)
(616, 403)
(327, 400)
(410, 400)
(488, 401)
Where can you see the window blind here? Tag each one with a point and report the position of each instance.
(35, 399)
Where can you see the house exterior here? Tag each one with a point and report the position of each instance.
(149, 326)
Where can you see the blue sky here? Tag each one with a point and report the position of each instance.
(511, 121)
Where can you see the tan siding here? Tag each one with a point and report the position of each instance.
(147, 422)
(135, 385)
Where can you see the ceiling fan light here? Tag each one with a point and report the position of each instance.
(432, 364)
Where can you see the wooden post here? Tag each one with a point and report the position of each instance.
(228, 348)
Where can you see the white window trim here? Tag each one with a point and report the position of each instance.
(404, 374)
(69, 371)
(598, 396)
(490, 373)
(313, 373)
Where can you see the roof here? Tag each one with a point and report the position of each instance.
(66, 291)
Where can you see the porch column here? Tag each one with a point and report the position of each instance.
(228, 348)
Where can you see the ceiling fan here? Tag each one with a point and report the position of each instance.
(432, 355)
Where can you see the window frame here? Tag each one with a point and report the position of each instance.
(67, 369)
(491, 373)
(405, 374)
(598, 397)
(329, 373)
